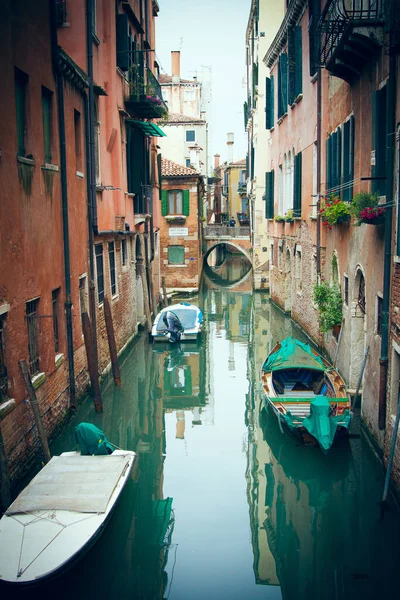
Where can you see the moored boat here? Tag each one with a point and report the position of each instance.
(308, 396)
(178, 323)
(61, 512)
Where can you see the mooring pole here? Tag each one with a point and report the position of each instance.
(36, 411)
(164, 291)
(111, 342)
(355, 401)
(91, 359)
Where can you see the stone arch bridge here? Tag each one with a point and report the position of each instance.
(236, 237)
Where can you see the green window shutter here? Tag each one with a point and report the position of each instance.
(269, 195)
(186, 202)
(252, 162)
(338, 167)
(351, 155)
(122, 40)
(328, 184)
(269, 102)
(291, 65)
(379, 140)
(176, 255)
(346, 160)
(136, 160)
(297, 185)
(298, 61)
(282, 85)
(46, 113)
(245, 115)
(164, 202)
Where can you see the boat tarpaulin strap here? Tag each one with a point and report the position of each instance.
(150, 129)
(319, 424)
(293, 354)
(77, 483)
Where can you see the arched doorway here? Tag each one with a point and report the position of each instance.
(358, 327)
(288, 281)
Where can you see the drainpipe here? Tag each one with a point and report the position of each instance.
(64, 204)
(319, 110)
(89, 43)
(390, 140)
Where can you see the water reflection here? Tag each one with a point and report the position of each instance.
(225, 269)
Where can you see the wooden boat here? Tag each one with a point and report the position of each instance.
(60, 514)
(306, 393)
(181, 322)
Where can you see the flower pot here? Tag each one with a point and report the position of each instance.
(289, 220)
(379, 220)
(342, 219)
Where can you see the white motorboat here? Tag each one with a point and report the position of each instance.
(178, 323)
(60, 514)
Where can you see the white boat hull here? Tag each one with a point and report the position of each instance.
(35, 545)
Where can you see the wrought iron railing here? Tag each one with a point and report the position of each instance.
(242, 187)
(144, 87)
(336, 17)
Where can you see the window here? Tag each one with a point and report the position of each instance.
(187, 162)
(190, 135)
(21, 102)
(83, 294)
(47, 98)
(100, 272)
(378, 154)
(379, 315)
(314, 11)
(175, 202)
(340, 160)
(190, 95)
(295, 75)
(280, 255)
(124, 252)
(361, 293)
(297, 183)
(269, 195)
(280, 183)
(111, 258)
(299, 278)
(55, 300)
(269, 102)
(282, 85)
(271, 258)
(31, 312)
(97, 143)
(176, 255)
(314, 198)
(346, 289)
(78, 140)
(348, 159)
(395, 368)
(3, 370)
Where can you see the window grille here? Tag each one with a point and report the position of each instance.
(55, 304)
(361, 294)
(100, 272)
(3, 370)
(346, 289)
(111, 258)
(31, 314)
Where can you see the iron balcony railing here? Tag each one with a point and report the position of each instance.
(338, 15)
(144, 88)
(242, 187)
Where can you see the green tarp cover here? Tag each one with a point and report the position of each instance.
(319, 424)
(91, 440)
(293, 355)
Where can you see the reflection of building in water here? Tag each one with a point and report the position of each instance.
(226, 269)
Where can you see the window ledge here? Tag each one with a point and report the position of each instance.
(298, 98)
(272, 128)
(49, 167)
(282, 118)
(59, 359)
(115, 298)
(314, 77)
(313, 217)
(396, 259)
(38, 380)
(95, 39)
(80, 174)
(26, 161)
(177, 266)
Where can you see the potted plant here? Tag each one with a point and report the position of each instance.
(289, 216)
(366, 209)
(279, 219)
(329, 301)
(334, 212)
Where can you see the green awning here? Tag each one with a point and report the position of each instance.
(147, 128)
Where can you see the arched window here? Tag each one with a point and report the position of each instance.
(361, 293)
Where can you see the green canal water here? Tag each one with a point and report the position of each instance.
(222, 505)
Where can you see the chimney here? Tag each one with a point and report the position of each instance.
(216, 160)
(229, 142)
(176, 66)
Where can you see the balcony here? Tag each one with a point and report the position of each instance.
(143, 204)
(145, 96)
(351, 33)
(242, 187)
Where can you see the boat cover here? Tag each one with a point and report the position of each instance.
(293, 354)
(188, 318)
(78, 483)
(92, 440)
(319, 424)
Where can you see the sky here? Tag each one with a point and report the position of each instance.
(210, 34)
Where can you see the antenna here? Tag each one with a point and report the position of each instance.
(181, 44)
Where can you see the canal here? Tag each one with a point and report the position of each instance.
(222, 504)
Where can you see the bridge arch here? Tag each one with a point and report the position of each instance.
(211, 246)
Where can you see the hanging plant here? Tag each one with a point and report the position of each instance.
(329, 301)
(366, 209)
(334, 212)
